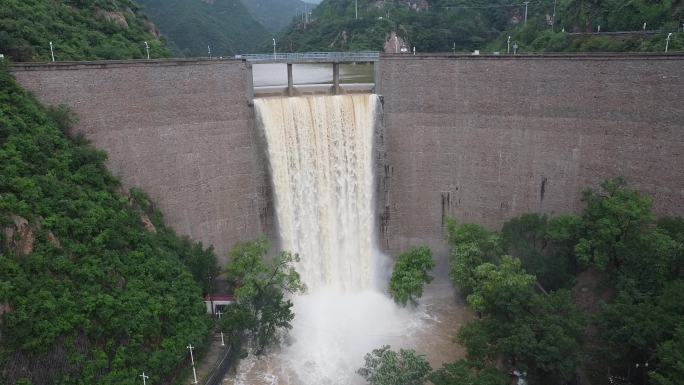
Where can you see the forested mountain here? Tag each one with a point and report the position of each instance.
(275, 15)
(93, 286)
(104, 29)
(224, 25)
(460, 25)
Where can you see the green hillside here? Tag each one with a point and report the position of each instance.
(275, 15)
(83, 30)
(192, 25)
(93, 287)
(464, 26)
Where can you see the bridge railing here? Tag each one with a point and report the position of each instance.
(365, 56)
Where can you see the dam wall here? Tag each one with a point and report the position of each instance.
(484, 139)
(182, 130)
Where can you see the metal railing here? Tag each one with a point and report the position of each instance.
(364, 56)
(227, 359)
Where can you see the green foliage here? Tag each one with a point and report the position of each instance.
(464, 372)
(99, 296)
(192, 25)
(384, 366)
(612, 218)
(540, 334)
(671, 357)
(545, 247)
(411, 272)
(79, 30)
(473, 245)
(261, 285)
(463, 26)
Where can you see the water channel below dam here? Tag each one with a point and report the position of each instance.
(320, 151)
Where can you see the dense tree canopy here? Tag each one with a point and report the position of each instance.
(85, 284)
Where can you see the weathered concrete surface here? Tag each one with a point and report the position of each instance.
(180, 129)
(484, 139)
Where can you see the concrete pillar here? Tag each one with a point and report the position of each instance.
(336, 79)
(290, 80)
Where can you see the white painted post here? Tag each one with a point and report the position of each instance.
(219, 314)
(192, 360)
(667, 41)
(509, 44)
(52, 53)
(144, 377)
(147, 48)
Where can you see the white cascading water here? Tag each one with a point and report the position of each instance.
(321, 155)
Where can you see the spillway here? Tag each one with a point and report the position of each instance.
(320, 151)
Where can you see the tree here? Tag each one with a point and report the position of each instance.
(544, 246)
(537, 333)
(671, 357)
(612, 217)
(386, 367)
(410, 273)
(464, 372)
(473, 246)
(261, 309)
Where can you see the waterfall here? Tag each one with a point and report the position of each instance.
(321, 155)
(320, 151)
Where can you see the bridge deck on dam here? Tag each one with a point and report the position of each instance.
(479, 138)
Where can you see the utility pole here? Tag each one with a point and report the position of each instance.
(274, 58)
(356, 8)
(526, 4)
(553, 18)
(144, 377)
(192, 360)
(147, 48)
(667, 41)
(52, 53)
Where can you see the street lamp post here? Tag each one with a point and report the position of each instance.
(52, 53)
(509, 44)
(667, 41)
(147, 48)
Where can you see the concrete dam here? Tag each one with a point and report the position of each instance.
(478, 138)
